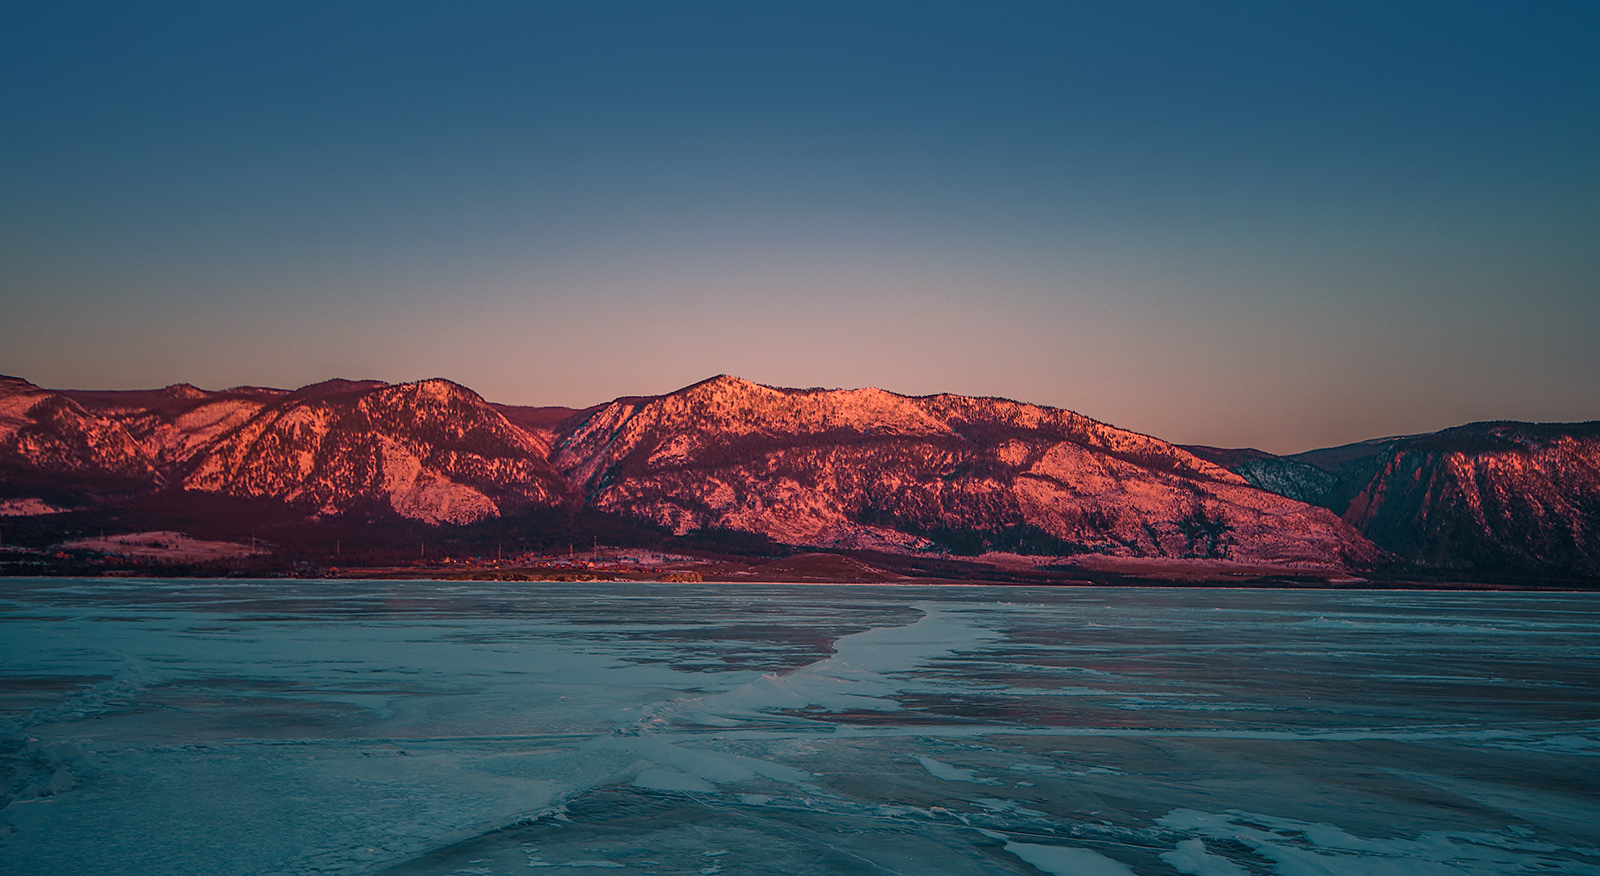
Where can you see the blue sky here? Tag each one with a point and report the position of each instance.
(1269, 224)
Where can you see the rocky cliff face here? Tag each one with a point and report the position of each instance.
(52, 448)
(870, 469)
(431, 451)
(1497, 496)
(172, 424)
(1489, 496)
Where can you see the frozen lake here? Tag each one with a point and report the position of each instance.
(210, 727)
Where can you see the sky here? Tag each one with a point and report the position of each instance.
(1267, 224)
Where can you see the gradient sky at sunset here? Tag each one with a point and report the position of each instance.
(1282, 225)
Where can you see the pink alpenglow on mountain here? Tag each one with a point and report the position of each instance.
(1523, 495)
(432, 451)
(858, 469)
(870, 469)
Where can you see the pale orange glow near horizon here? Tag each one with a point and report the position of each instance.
(1277, 227)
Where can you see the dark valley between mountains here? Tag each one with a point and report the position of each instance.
(727, 478)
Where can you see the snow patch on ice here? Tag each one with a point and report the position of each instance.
(1302, 848)
(1067, 861)
(1192, 857)
(858, 676)
(534, 860)
(941, 770)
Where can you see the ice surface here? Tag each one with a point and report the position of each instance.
(1192, 857)
(195, 727)
(1067, 861)
(941, 770)
(1315, 849)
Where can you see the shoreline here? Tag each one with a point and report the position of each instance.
(534, 576)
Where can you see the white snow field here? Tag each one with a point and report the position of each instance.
(235, 727)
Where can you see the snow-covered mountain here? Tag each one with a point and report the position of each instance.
(1494, 495)
(870, 469)
(842, 469)
(53, 448)
(432, 451)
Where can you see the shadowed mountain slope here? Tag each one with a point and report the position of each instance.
(1489, 495)
(1486, 496)
(1275, 474)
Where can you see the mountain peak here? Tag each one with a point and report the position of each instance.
(720, 384)
(15, 384)
(440, 388)
(184, 391)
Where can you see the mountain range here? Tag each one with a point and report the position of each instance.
(1493, 495)
(733, 463)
